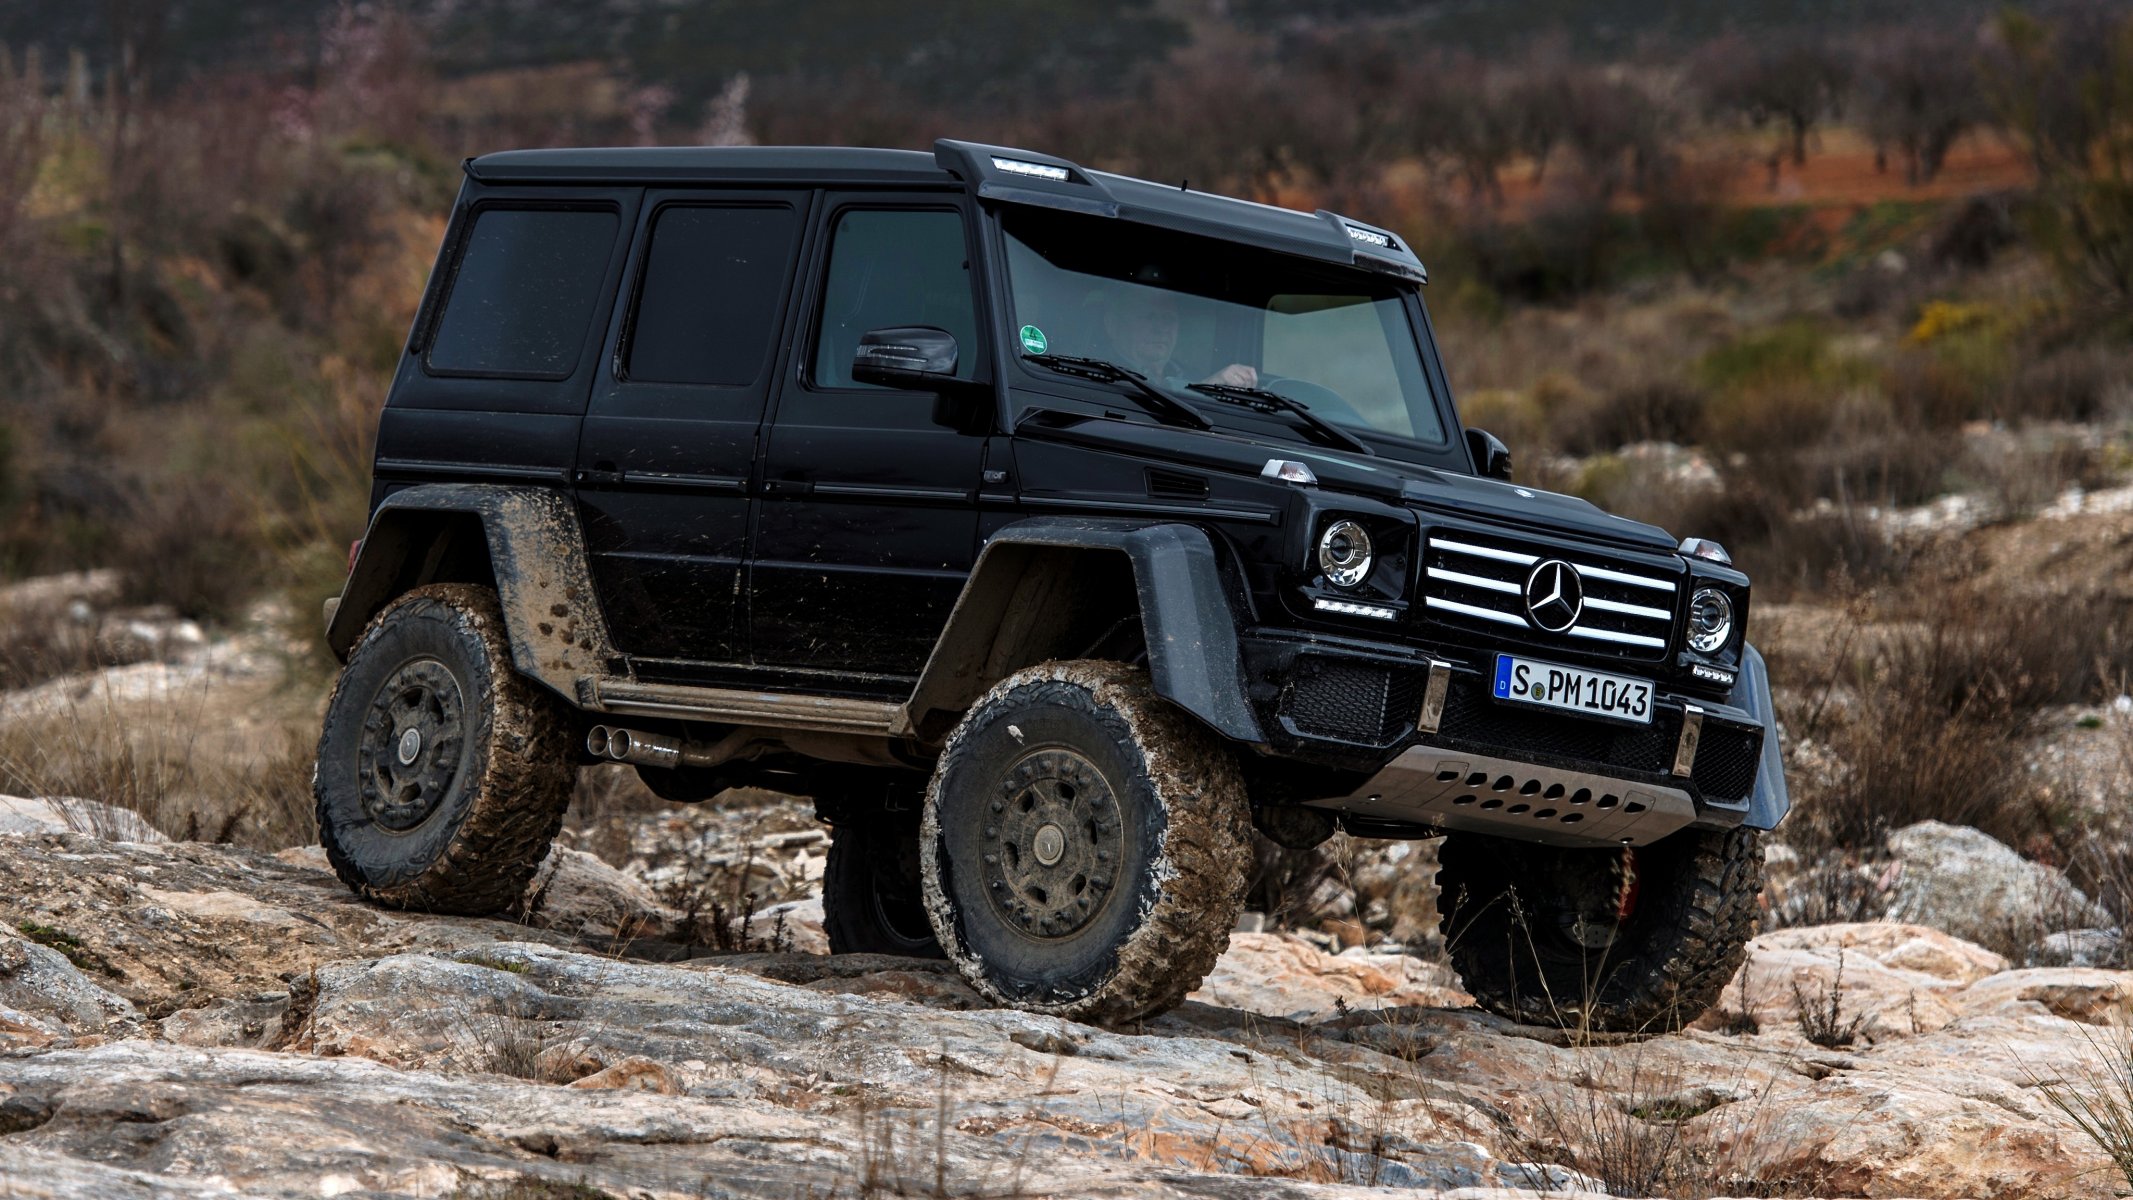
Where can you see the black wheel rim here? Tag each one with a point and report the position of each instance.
(413, 735)
(1053, 844)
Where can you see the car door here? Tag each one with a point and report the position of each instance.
(670, 435)
(868, 521)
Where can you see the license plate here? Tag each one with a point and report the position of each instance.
(1573, 689)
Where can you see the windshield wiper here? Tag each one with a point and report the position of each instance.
(1152, 398)
(1261, 398)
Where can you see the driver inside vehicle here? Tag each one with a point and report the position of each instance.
(1142, 327)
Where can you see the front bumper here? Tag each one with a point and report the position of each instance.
(1413, 736)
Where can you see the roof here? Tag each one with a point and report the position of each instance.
(995, 173)
(706, 164)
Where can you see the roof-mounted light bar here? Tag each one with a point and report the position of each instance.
(1371, 236)
(1033, 170)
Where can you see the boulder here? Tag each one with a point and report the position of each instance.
(580, 895)
(1282, 975)
(1959, 880)
(1897, 980)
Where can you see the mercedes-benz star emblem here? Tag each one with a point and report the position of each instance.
(1555, 596)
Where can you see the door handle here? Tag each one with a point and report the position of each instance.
(787, 487)
(602, 472)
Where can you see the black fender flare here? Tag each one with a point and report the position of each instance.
(536, 560)
(1184, 606)
(1771, 800)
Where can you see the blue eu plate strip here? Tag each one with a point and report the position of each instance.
(1503, 677)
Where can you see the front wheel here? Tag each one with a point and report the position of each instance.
(1638, 940)
(1085, 845)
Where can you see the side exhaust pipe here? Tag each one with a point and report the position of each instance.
(616, 744)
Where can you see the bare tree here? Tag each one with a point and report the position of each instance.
(1789, 83)
(1918, 92)
(2064, 89)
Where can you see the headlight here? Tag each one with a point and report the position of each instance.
(1710, 620)
(1344, 554)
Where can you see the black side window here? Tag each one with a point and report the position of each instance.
(713, 280)
(527, 283)
(890, 267)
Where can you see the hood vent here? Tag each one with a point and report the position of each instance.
(1176, 485)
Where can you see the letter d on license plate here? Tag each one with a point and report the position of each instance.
(1573, 689)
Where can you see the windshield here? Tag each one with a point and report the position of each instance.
(1185, 310)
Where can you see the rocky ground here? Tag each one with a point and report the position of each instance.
(658, 1017)
(191, 1020)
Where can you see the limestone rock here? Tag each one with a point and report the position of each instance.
(66, 814)
(1957, 879)
(1901, 979)
(578, 894)
(1281, 975)
(795, 925)
(2082, 948)
(312, 1045)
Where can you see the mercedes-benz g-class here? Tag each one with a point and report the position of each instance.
(1051, 529)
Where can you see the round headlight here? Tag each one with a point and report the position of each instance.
(1344, 554)
(1710, 620)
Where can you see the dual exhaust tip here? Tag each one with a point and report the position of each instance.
(615, 744)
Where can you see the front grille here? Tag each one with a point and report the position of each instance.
(1480, 581)
(1364, 703)
(1471, 716)
(1727, 760)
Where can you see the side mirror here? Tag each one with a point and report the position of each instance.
(1491, 457)
(917, 357)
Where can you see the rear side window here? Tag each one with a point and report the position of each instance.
(524, 293)
(712, 284)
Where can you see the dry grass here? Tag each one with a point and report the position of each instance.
(2097, 1095)
(1641, 1129)
(154, 761)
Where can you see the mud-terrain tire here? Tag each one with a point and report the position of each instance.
(442, 774)
(1538, 934)
(1085, 845)
(873, 900)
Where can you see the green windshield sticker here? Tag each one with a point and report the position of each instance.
(1033, 339)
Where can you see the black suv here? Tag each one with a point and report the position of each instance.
(1052, 530)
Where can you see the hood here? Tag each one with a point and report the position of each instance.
(1455, 494)
(1429, 490)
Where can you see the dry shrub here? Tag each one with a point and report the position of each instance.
(1647, 411)
(1933, 720)
(2083, 383)
(195, 547)
(2020, 474)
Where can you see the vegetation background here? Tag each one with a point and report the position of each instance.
(1847, 286)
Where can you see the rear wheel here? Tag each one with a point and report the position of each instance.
(1631, 940)
(442, 774)
(872, 897)
(1085, 846)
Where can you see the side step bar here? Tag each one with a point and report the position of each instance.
(733, 706)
